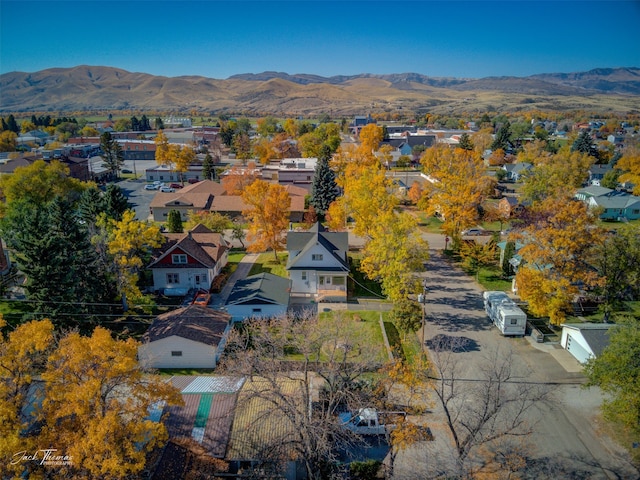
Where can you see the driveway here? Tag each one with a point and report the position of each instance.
(567, 441)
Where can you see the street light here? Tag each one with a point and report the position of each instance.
(422, 299)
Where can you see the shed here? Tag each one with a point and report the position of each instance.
(585, 340)
(262, 295)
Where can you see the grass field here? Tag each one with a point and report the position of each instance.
(268, 264)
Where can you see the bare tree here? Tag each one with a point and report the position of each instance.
(306, 371)
(496, 405)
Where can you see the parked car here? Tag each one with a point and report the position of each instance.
(151, 186)
(473, 232)
(166, 189)
(175, 185)
(126, 170)
(193, 180)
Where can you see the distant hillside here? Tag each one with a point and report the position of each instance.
(88, 88)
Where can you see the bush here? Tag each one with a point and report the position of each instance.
(366, 470)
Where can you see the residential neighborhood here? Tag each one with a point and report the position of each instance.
(272, 296)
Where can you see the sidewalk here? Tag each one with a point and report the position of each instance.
(218, 300)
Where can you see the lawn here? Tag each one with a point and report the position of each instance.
(359, 285)
(14, 311)
(267, 263)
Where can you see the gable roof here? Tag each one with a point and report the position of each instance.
(260, 289)
(336, 243)
(622, 201)
(594, 191)
(200, 243)
(195, 322)
(595, 334)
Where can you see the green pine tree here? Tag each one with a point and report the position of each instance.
(174, 222)
(323, 188)
(115, 202)
(111, 153)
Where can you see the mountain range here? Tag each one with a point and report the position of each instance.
(94, 88)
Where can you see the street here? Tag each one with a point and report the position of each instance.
(567, 441)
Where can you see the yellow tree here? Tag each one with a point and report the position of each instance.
(630, 165)
(267, 215)
(23, 354)
(370, 137)
(265, 150)
(97, 406)
(560, 241)
(393, 252)
(236, 179)
(456, 188)
(128, 241)
(184, 159)
(163, 156)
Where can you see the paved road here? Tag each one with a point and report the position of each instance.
(567, 442)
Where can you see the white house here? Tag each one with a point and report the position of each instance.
(189, 260)
(190, 337)
(317, 263)
(261, 296)
(585, 340)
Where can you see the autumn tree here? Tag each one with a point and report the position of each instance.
(236, 179)
(456, 188)
(560, 239)
(8, 141)
(394, 250)
(129, 243)
(406, 315)
(163, 152)
(616, 371)
(97, 403)
(214, 221)
(267, 215)
(311, 142)
(40, 183)
(241, 146)
(370, 137)
(111, 153)
(630, 165)
(183, 160)
(477, 254)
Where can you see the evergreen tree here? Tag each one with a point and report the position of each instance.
(90, 205)
(174, 222)
(12, 124)
(135, 124)
(465, 142)
(112, 153)
(159, 123)
(509, 251)
(4, 126)
(144, 124)
(324, 189)
(502, 138)
(208, 168)
(115, 202)
(584, 144)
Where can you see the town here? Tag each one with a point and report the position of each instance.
(301, 298)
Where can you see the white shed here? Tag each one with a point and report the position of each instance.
(585, 340)
(190, 337)
(260, 296)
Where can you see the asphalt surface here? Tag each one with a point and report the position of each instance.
(567, 441)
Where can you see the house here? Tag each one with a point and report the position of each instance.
(291, 171)
(192, 197)
(167, 174)
(515, 171)
(188, 260)
(614, 204)
(189, 337)
(259, 296)
(317, 263)
(585, 340)
(597, 173)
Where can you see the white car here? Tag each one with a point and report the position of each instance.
(151, 186)
(473, 232)
(167, 189)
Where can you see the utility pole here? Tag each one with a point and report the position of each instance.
(422, 299)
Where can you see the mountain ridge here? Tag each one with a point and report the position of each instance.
(87, 88)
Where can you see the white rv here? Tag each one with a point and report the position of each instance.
(504, 313)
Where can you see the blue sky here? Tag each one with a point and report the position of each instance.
(217, 39)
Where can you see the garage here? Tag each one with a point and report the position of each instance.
(585, 340)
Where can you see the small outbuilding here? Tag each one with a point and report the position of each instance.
(259, 296)
(189, 337)
(585, 340)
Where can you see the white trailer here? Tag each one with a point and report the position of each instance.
(504, 313)
(368, 421)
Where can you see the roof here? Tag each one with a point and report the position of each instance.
(595, 334)
(200, 243)
(195, 322)
(260, 289)
(594, 191)
(621, 201)
(178, 198)
(207, 413)
(259, 428)
(336, 243)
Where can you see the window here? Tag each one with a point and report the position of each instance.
(514, 321)
(257, 310)
(176, 353)
(173, 278)
(338, 280)
(316, 257)
(179, 258)
(199, 279)
(304, 276)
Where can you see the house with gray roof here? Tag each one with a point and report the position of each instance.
(614, 204)
(585, 340)
(317, 264)
(189, 337)
(515, 171)
(258, 296)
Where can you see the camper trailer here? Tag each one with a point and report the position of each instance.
(504, 313)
